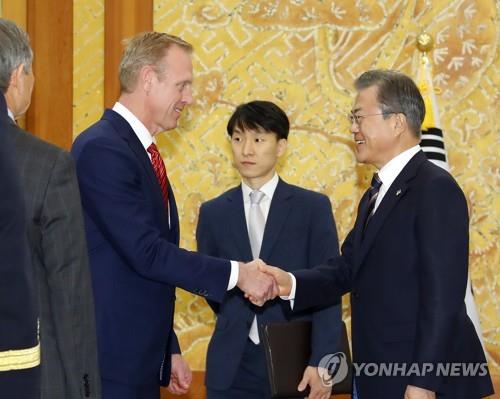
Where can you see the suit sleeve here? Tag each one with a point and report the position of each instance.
(65, 259)
(442, 234)
(323, 245)
(112, 193)
(175, 348)
(324, 285)
(206, 243)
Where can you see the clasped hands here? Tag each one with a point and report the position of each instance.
(261, 282)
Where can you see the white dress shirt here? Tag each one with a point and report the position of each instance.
(137, 126)
(11, 115)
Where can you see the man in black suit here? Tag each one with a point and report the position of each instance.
(19, 347)
(297, 229)
(404, 262)
(56, 236)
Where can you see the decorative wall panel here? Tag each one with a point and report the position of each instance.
(88, 60)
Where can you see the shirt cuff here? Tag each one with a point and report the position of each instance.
(233, 278)
(291, 297)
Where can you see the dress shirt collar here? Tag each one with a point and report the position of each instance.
(268, 189)
(393, 168)
(138, 127)
(11, 115)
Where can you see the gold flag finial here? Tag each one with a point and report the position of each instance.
(425, 42)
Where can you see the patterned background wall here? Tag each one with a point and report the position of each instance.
(304, 55)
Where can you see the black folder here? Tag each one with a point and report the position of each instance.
(288, 347)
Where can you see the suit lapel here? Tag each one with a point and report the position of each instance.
(359, 225)
(174, 215)
(278, 214)
(238, 224)
(124, 130)
(397, 190)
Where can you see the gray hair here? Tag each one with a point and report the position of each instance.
(397, 93)
(148, 48)
(14, 50)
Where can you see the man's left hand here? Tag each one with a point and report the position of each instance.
(180, 375)
(413, 392)
(318, 389)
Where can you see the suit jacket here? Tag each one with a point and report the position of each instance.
(59, 254)
(19, 349)
(407, 276)
(134, 255)
(300, 231)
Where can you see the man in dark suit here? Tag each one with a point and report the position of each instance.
(19, 347)
(56, 237)
(19, 344)
(405, 261)
(133, 228)
(297, 229)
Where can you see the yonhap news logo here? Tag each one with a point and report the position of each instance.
(333, 368)
(450, 369)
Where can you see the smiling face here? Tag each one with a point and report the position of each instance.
(255, 154)
(376, 136)
(170, 91)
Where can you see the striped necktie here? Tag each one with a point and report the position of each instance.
(373, 194)
(160, 171)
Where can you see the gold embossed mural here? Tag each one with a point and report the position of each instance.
(304, 55)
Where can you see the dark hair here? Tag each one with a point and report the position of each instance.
(396, 93)
(260, 115)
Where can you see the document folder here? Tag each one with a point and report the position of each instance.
(288, 347)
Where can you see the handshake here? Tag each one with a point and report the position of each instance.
(261, 282)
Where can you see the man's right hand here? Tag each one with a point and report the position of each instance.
(259, 287)
(281, 277)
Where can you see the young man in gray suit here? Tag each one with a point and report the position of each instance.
(56, 236)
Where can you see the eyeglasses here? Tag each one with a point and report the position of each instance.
(355, 118)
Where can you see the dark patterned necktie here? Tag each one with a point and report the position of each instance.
(373, 194)
(160, 171)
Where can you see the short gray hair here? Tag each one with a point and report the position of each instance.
(15, 50)
(397, 93)
(148, 48)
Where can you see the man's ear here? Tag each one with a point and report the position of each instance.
(146, 75)
(282, 144)
(15, 76)
(400, 123)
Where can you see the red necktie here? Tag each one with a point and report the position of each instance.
(160, 171)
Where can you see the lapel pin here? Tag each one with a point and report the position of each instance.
(398, 192)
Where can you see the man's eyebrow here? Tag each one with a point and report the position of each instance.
(183, 82)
